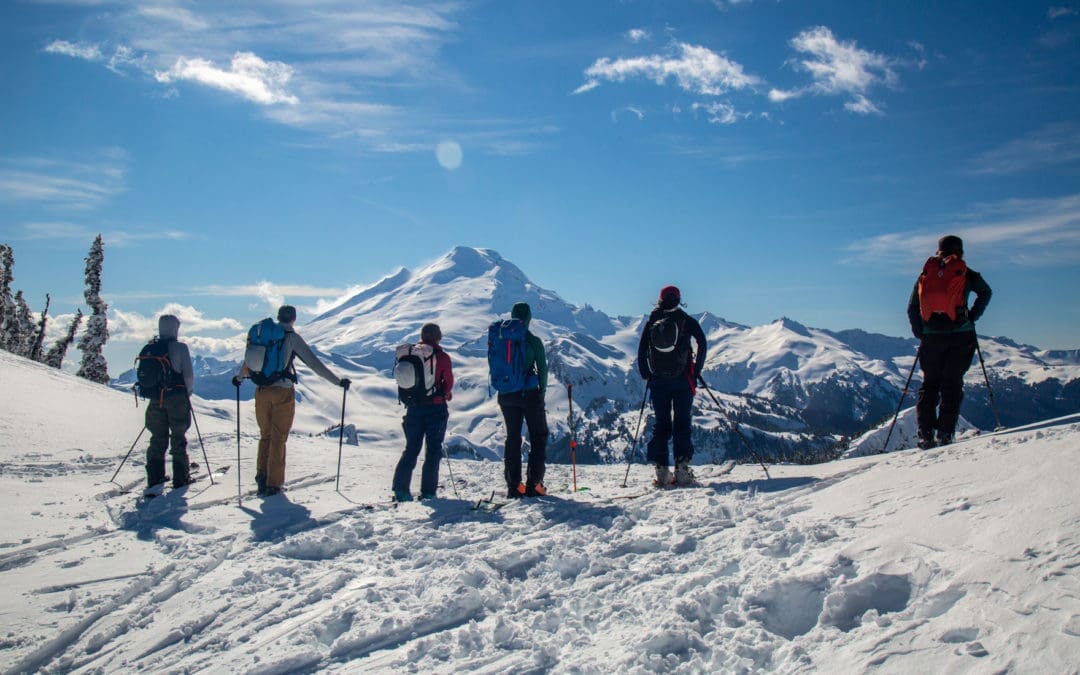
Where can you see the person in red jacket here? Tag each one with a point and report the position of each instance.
(426, 420)
(940, 318)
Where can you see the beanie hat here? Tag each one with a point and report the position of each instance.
(168, 326)
(951, 244)
(670, 297)
(521, 310)
(430, 333)
(286, 314)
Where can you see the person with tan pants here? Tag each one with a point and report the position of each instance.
(275, 401)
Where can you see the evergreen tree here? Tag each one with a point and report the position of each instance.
(92, 343)
(7, 303)
(58, 351)
(23, 336)
(39, 334)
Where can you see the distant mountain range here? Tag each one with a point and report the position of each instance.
(798, 393)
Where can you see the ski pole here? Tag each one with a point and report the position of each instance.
(113, 479)
(239, 490)
(573, 441)
(734, 427)
(633, 446)
(453, 483)
(198, 433)
(899, 405)
(989, 391)
(341, 439)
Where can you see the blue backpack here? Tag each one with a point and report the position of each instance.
(265, 354)
(506, 355)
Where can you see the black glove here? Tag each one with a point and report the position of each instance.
(917, 332)
(344, 383)
(236, 381)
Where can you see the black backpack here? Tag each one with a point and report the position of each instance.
(154, 374)
(669, 345)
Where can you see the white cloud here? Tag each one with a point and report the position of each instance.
(695, 69)
(637, 34)
(838, 68)
(1022, 231)
(338, 66)
(1058, 12)
(259, 81)
(136, 327)
(1053, 145)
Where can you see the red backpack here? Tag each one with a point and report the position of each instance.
(941, 286)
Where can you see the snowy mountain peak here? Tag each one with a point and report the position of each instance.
(792, 326)
(463, 261)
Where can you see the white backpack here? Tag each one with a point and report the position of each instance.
(414, 372)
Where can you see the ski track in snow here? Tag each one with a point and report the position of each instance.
(959, 559)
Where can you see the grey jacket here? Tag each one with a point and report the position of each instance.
(179, 356)
(295, 346)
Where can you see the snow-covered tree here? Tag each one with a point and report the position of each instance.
(92, 343)
(39, 333)
(7, 303)
(56, 354)
(22, 338)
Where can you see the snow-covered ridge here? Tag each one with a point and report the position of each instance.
(959, 559)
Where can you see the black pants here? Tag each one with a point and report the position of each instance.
(672, 401)
(422, 422)
(527, 407)
(943, 359)
(168, 423)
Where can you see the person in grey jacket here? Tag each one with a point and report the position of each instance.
(168, 416)
(275, 405)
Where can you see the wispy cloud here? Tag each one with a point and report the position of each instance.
(121, 59)
(269, 296)
(76, 50)
(269, 291)
(720, 113)
(637, 112)
(248, 76)
(637, 34)
(1022, 231)
(838, 68)
(1059, 12)
(1053, 145)
(63, 183)
(58, 230)
(694, 68)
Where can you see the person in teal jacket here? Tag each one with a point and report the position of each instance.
(526, 406)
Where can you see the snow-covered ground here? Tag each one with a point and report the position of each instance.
(961, 559)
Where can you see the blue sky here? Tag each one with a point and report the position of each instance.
(772, 158)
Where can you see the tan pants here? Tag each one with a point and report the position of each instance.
(275, 408)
